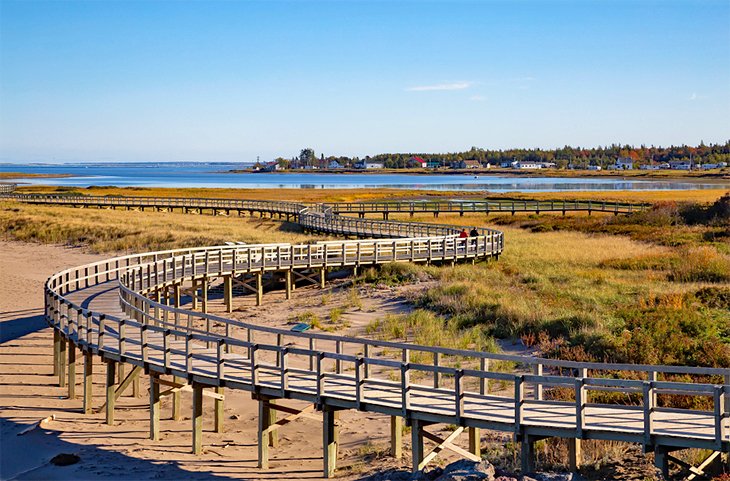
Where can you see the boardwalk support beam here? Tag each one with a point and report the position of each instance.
(396, 436)
(197, 418)
(110, 391)
(154, 407)
(88, 381)
(71, 370)
(330, 439)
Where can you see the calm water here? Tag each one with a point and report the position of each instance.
(215, 175)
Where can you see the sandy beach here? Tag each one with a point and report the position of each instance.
(29, 393)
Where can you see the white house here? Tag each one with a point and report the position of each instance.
(527, 165)
(624, 163)
(369, 164)
(334, 165)
(594, 167)
(650, 167)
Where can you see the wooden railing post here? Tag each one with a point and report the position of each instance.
(648, 396)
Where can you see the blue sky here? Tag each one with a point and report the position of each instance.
(232, 80)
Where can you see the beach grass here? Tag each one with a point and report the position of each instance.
(102, 230)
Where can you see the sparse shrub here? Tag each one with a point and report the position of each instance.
(701, 264)
(353, 299)
(396, 273)
(714, 297)
(336, 315)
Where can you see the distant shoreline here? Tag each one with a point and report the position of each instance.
(723, 174)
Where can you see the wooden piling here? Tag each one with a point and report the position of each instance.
(259, 288)
(417, 444)
(71, 370)
(110, 388)
(575, 454)
(396, 436)
(228, 293)
(219, 411)
(62, 363)
(154, 407)
(197, 418)
(273, 435)
(329, 440)
(176, 400)
(88, 380)
(288, 280)
(204, 295)
(475, 441)
(56, 351)
(527, 454)
(263, 438)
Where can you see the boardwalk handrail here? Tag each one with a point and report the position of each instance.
(396, 206)
(423, 384)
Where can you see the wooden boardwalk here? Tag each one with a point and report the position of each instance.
(228, 206)
(150, 311)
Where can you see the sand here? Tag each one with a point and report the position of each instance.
(29, 393)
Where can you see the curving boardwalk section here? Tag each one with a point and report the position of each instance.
(150, 311)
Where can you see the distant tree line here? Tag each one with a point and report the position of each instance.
(562, 157)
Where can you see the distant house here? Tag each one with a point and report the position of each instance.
(594, 167)
(719, 165)
(271, 166)
(527, 165)
(624, 163)
(433, 164)
(416, 161)
(548, 165)
(509, 164)
(334, 165)
(650, 167)
(369, 164)
(680, 165)
(466, 164)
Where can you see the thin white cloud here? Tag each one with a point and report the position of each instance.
(477, 98)
(696, 96)
(439, 87)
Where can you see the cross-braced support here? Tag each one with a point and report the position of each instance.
(421, 458)
(123, 385)
(269, 425)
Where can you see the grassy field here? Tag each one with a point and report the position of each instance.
(353, 195)
(583, 295)
(124, 231)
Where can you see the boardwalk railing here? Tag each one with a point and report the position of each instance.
(409, 207)
(492, 206)
(7, 188)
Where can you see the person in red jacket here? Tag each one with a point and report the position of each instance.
(463, 233)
